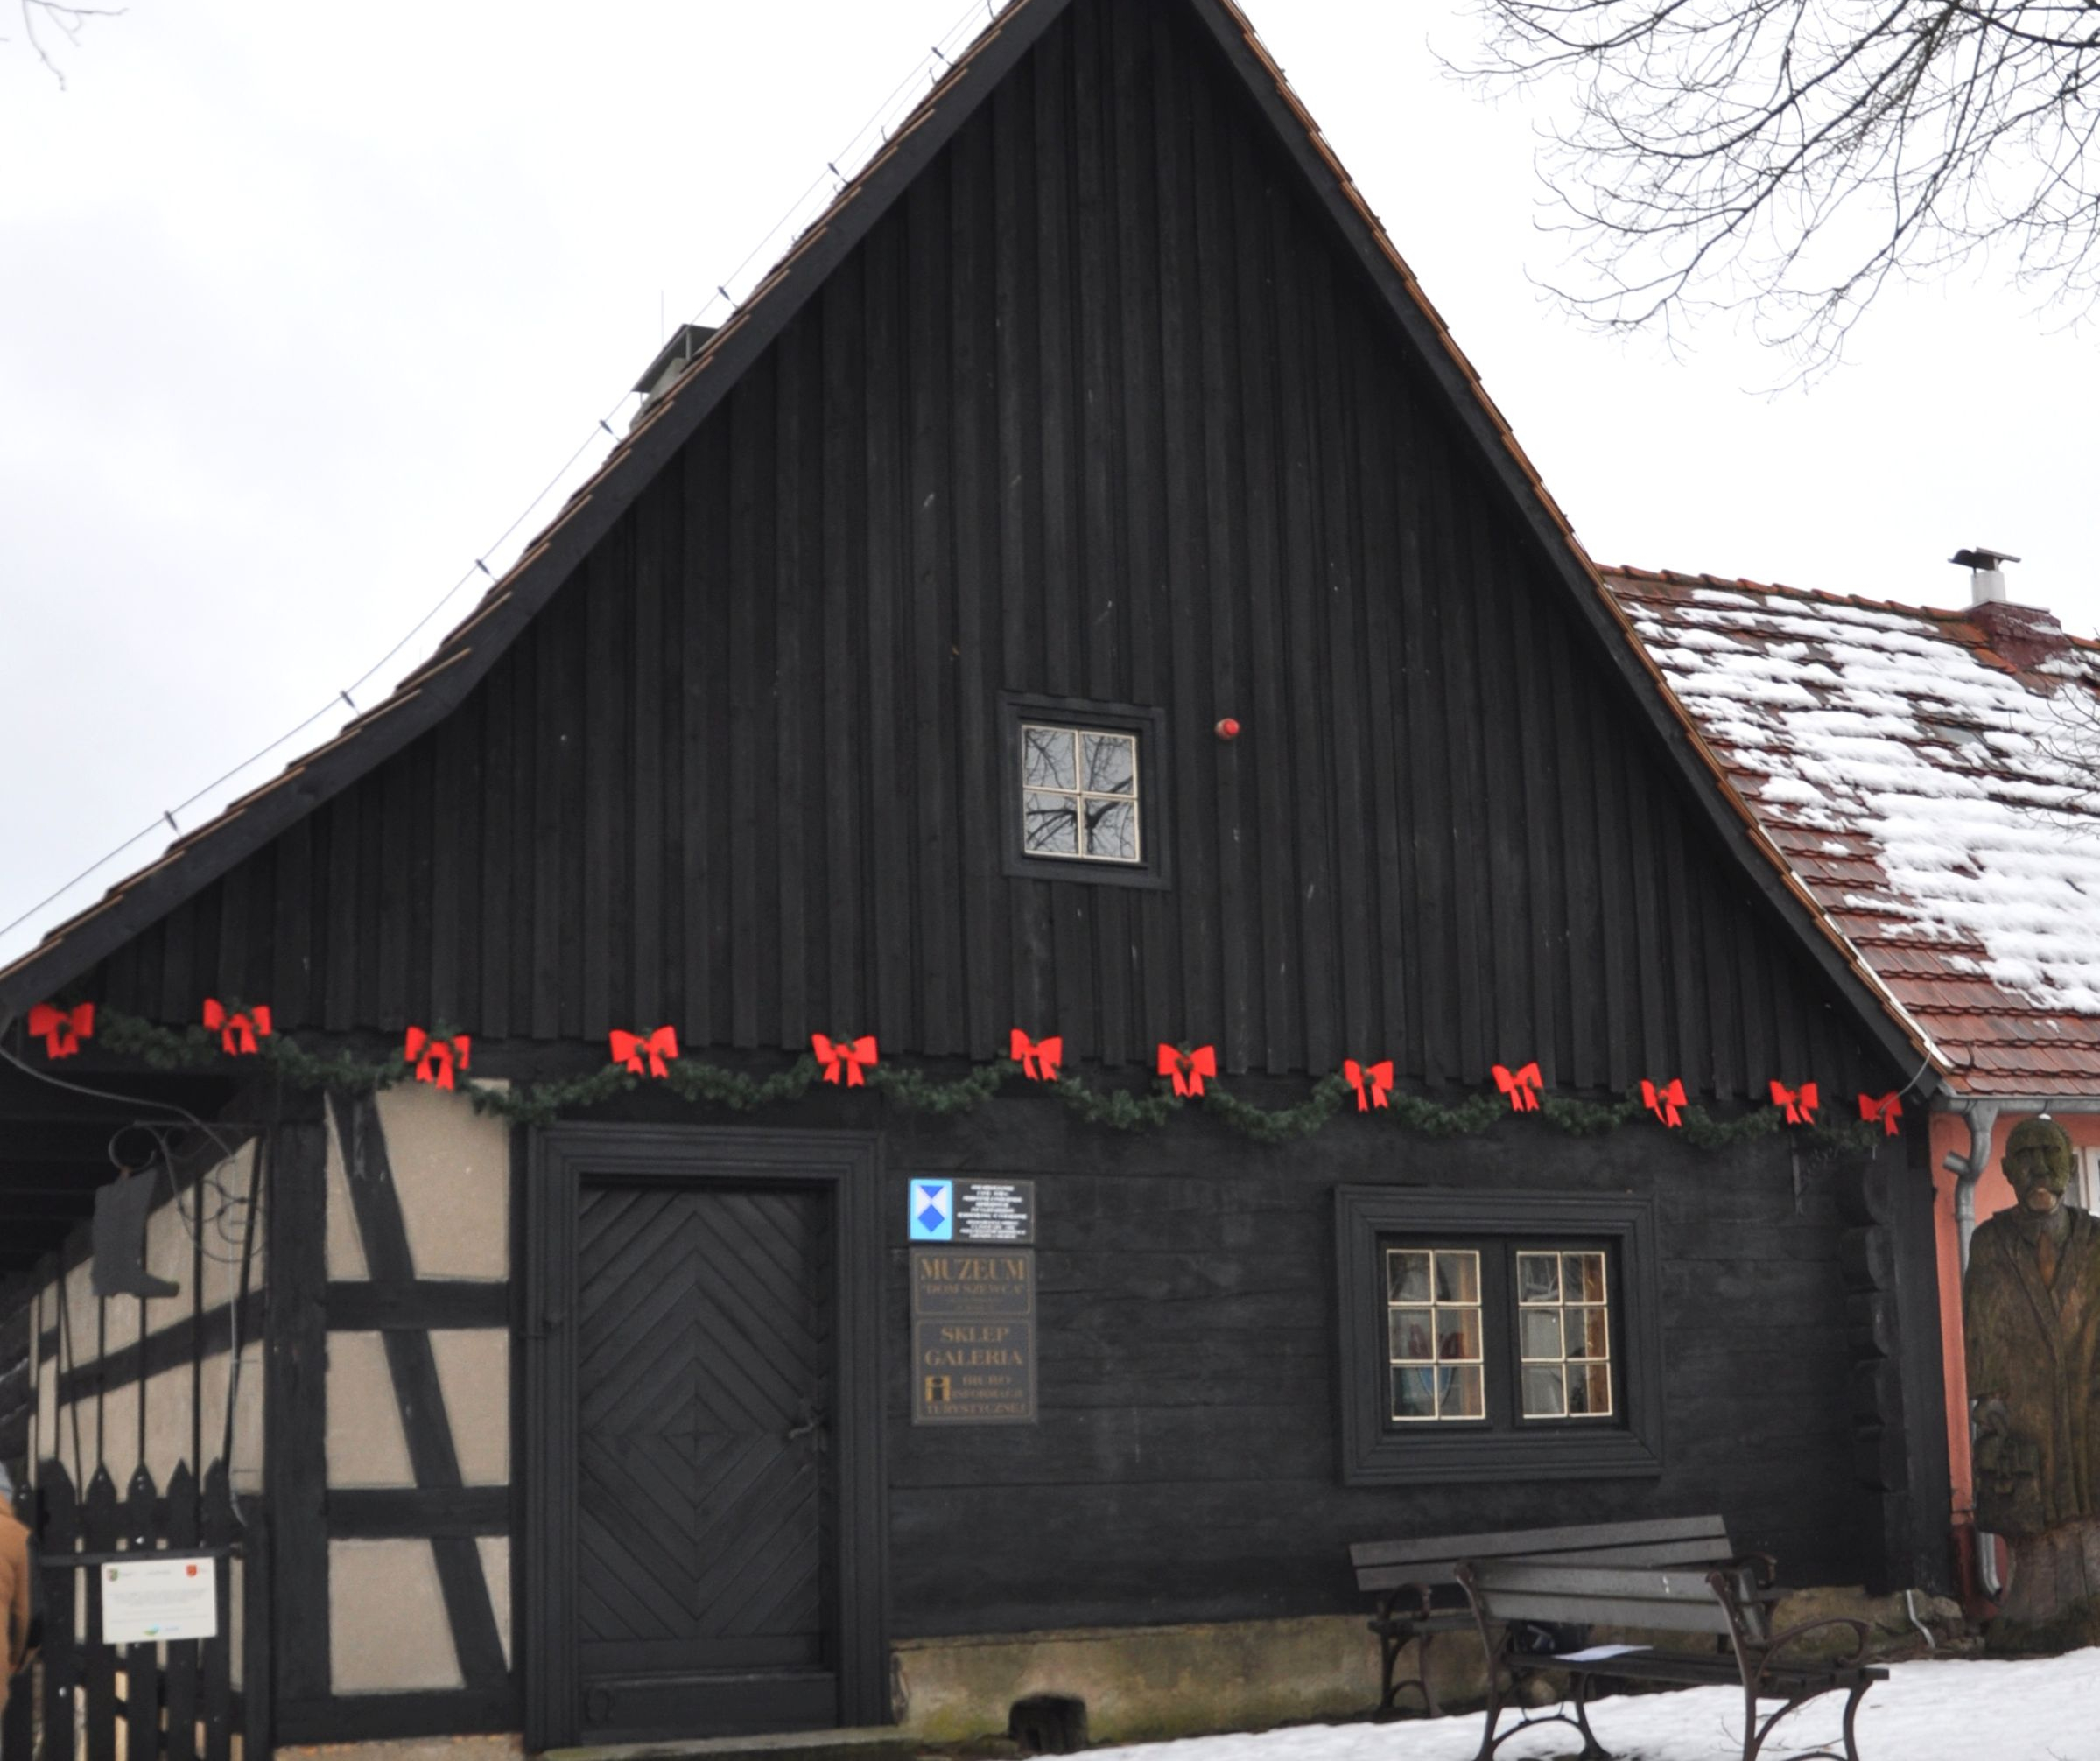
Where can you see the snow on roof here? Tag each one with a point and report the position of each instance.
(1933, 778)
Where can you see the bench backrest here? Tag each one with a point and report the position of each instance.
(1666, 1600)
(1664, 1541)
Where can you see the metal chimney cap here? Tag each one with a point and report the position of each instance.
(1980, 557)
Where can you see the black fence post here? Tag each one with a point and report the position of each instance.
(58, 1539)
(183, 1653)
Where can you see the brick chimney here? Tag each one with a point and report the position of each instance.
(2023, 636)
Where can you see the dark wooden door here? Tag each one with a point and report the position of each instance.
(704, 1353)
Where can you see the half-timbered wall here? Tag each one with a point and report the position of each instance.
(125, 1381)
(1102, 409)
(403, 1620)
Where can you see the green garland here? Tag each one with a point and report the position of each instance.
(1114, 1109)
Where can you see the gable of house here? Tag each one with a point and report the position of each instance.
(1105, 408)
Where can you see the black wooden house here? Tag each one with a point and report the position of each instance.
(1084, 592)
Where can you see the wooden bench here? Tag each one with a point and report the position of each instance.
(1420, 1595)
(1677, 1575)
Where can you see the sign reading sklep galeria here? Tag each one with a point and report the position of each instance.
(972, 1336)
(158, 1598)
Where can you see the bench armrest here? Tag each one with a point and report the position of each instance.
(1762, 1564)
(1421, 1595)
(1768, 1652)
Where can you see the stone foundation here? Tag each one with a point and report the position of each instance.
(1143, 1683)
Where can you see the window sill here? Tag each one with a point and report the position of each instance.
(1410, 1461)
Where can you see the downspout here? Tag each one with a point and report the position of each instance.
(1968, 1169)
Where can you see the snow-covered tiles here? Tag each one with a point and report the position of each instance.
(1935, 781)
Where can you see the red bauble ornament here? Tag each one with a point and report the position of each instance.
(1228, 729)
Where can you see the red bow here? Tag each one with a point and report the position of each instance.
(1187, 1068)
(1521, 1086)
(628, 1049)
(1381, 1077)
(434, 1059)
(1664, 1102)
(1039, 1059)
(1888, 1110)
(236, 1033)
(61, 1030)
(844, 1060)
(1801, 1103)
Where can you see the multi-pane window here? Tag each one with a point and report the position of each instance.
(1433, 1333)
(1079, 794)
(1522, 1333)
(1497, 1334)
(1563, 1336)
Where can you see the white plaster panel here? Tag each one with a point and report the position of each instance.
(366, 1447)
(169, 1255)
(48, 1407)
(345, 1248)
(223, 1216)
(244, 1467)
(495, 1566)
(119, 1432)
(236, 1589)
(168, 1433)
(452, 1168)
(387, 1628)
(473, 1373)
(78, 1433)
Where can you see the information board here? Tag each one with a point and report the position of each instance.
(972, 1336)
(977, 1210)
(159, 1597)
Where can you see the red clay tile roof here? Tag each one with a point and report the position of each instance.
(1934, 779)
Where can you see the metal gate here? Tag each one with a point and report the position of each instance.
(135, 1702)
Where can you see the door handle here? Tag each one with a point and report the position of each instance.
(810, 1421)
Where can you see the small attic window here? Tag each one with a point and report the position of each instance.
(1085, 791)
(1080, 793)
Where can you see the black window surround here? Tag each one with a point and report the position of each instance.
(1155, 819)
(1378, 1451)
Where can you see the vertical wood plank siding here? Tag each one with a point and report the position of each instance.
(1101, 408)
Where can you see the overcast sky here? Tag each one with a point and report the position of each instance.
(301, 307)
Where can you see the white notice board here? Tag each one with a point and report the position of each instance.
(160, 1598)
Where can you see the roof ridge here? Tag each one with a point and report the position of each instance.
(1677, 578)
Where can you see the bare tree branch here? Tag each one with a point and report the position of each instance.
(66, 18)
(1787, 158)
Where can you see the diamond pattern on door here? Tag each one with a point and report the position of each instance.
(703, 1354)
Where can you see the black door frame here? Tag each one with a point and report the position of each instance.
(849, 1165)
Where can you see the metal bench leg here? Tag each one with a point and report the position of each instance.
(1388, 1660)
(1851, 1711)
(1494, 1712)
(1593, 1750)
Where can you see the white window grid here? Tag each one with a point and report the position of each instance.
(1090, 807)
(1433, 1335)
(1563, 1334)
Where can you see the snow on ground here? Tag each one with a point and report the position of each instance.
(2040, 1709)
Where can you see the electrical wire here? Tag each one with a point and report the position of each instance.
(965, 26)
(193, 1225)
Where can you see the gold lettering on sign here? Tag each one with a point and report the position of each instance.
(974, 1344)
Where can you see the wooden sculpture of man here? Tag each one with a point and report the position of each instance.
(2030, 1309)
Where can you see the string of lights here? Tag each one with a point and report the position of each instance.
(838, 171)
